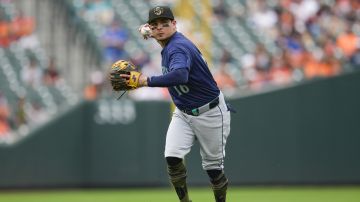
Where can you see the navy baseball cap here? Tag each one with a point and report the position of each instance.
(160, 12)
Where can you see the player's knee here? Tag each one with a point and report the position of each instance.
(173, 161)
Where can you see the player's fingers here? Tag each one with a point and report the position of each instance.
(125, 76)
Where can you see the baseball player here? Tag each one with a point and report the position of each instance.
(201, 112)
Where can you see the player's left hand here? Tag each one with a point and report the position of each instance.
(124, 76)
(142, 80)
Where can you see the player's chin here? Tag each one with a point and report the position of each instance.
(161, 37)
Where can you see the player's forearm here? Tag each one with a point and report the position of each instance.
(173, 78)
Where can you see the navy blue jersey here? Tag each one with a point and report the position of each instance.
(201, 87)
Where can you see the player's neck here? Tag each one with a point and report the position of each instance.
(163, 42)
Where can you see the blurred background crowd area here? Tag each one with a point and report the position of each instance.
(54, 54)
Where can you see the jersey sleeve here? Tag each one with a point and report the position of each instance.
(177, 77)
(179, 58)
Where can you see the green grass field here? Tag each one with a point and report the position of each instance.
(241, 194)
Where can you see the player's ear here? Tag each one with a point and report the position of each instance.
(173, 22)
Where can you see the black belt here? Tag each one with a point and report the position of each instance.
(202, 109)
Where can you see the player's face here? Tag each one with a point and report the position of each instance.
(163, 28)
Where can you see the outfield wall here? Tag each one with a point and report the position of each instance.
(308, 134)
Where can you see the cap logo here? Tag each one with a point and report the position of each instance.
(158, 11)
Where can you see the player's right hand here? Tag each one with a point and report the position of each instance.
(145, 31)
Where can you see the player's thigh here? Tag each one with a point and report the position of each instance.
(180, 136)
(212, 129)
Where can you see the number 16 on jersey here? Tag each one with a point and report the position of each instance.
(181, 89)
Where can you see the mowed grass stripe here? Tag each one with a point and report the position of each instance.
(236, 194)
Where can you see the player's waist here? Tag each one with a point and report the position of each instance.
(199, 110)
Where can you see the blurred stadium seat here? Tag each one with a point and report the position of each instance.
(289, 49)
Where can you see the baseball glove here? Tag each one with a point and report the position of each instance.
(120, 83)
